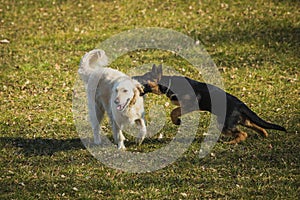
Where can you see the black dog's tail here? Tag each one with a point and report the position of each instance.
(252, 116)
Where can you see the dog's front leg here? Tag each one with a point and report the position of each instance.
(95, 127)
(178, 112)
(175, 114)
(143, 131)
(118, 136)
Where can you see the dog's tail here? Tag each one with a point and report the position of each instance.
(252, 116)
(90, 62)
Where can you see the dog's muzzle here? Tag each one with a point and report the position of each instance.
(121, 107)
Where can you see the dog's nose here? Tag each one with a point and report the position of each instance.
(117, 101)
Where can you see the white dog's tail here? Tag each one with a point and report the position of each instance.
(90, 62)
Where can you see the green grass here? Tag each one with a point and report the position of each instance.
(255, 45)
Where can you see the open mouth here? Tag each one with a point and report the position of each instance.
(121, 107)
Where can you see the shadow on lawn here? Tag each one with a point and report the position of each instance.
(272, 38)
(41, 146)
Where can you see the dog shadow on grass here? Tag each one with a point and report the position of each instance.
(40, 146)
(49, 146)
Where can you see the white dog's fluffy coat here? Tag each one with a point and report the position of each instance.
(112, 92)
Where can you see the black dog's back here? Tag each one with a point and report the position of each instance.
(234, 106)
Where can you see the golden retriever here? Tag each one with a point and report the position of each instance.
(113, 92)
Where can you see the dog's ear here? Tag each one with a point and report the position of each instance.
(136, 93)
(154, 69)
(138, 90)
(159, 72)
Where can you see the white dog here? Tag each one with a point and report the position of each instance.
(112, 92)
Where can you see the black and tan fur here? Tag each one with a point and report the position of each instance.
(237, 113)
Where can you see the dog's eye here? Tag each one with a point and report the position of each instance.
(125, 91)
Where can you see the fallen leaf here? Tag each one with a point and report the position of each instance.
(5, 41)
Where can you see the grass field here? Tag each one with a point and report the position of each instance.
(255, 45)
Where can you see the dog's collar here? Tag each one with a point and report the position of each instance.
(169, 86)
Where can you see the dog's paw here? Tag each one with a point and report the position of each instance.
(231, 142)
(177, 122)
(160, 137)
(121, 146)
(139, 140)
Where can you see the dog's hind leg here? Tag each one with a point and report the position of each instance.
(100, 115)
(238, 135)
(256, 128)
(96, 115)
(118, 136)
(143, 131)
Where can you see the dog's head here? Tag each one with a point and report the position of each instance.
(151, 79)
(125, 93)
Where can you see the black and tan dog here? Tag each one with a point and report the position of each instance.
(236, 112)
